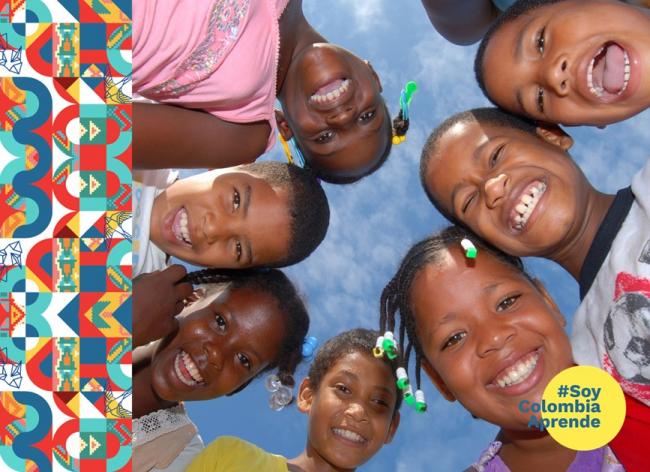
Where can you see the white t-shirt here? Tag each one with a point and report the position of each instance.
(611, 328)
(147, 185)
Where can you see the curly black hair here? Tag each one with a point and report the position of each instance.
(489, 115)
(278, 285)
(308, 207)
(395, 302)
(517, 9)
(356, 340)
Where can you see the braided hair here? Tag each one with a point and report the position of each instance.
(291, 305)
(395, 299)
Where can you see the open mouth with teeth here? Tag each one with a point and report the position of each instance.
(528, 201)
(349, 436)
(329, 92)
(608, 73)
(518, 372)
(180, 227)
(186, 369)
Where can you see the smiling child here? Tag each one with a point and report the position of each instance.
(573, 62)
(498, 344)
(353, 405)
(514, 184)
(226, 62)
(259, 215)
(243, 323)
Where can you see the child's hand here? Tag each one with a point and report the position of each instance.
(157, 299)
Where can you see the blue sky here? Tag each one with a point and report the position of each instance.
(374, 222)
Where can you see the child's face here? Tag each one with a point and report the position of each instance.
(222, 341)
(334, 108)
(223, 218)
(517, 191)
(568, 63)
(351, 412)
(490, 337)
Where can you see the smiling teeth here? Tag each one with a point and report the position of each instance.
(596, 90)
(191, 367)
(518, 372)
(350, 435)
(182, 232)
(334, 94)
(527, 204)
(626, 74)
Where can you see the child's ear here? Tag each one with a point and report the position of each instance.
(305, 396)
(437, 381)
(555, 135)
(392, 429)
(283, 125)
(372, 69)
(549, 300)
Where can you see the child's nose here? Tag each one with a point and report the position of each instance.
(341, 115)
(495, 188)
(557, 75)
(213, 353)
(216, 227)
(356, 411)
(494, 336)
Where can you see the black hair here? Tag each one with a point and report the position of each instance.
(356, 340)
(517, 9)
(489, 115)
(291, 305)
(308, 207)
(332, 177)
(395, 303)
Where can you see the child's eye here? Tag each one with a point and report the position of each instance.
(324, 137)
(342, 388)
(235, 200)
(238, 251)
(540, 99)
(454, 339)
(221, 322)
(380, 402)
(468, 202)
(367, 116)
(244, 360)
(541, 39)
(507, 302)
(496, 155)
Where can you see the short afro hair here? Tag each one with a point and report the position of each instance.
(356, 340)
(490, 115)
(516, 10)
(308, 207)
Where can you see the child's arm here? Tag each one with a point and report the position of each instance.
(166, 136)
(157, 299)
(461, 21)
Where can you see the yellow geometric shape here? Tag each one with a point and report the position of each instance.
(82, 184)
(82, 130)
(93, 386)
(93, 71)
(82, 444)
(94, 184)
(94, 444)
(31, 157)
(29, 275)
(94, 130)
(92, 243)
(73, 224)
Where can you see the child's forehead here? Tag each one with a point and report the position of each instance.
(360, 365)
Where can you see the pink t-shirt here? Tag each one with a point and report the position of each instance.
(220, 56)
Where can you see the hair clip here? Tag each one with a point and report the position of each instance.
(402, 378)
(469, 248)
(409, 398)
(389, 345)
(420, 403)
(281, 395)
(309, 347)
(287, 151)
(405, 97)
(378, 350)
